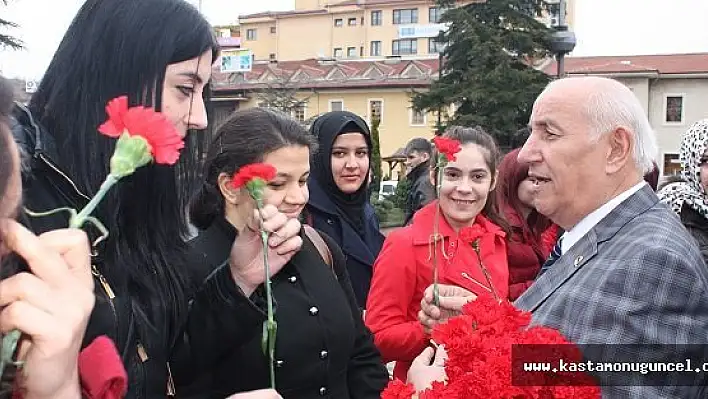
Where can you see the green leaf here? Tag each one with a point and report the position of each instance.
(131, 153)
(255, 189)
(264, 339)
(273, 335)
(9, 343)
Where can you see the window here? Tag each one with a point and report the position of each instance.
(405, 47)
(434, 14)
(375, 48)
(338, 22)
(376, 18)
(673, 107)
(375, 110)
(250, 34)
(351, 52)
(417, 118)
(336, 105)
(553, 13)
(362, 21)
(272, 29)
(435, 47)
(272, 56)
(351, 22)
(405, 16)
(338, 52)
(298, 112)
(361, 51)
(672, 165)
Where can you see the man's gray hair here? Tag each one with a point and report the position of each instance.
(611, 105)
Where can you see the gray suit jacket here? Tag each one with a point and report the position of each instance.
(636, 278)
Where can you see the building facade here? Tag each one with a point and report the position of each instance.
(353, 29)
(363, 56)
(373, 89)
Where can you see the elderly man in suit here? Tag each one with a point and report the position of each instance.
(625, 272)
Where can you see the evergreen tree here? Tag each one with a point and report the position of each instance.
(7, 40)
(375, 155)
(488, 71)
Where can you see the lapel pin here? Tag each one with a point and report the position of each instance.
(578, 260)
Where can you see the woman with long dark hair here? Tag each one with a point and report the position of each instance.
(50, 307)
(159, 53)
(533, 235)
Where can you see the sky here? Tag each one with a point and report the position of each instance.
(602, 27)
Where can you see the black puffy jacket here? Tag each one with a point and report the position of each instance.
(697, 225)
(220, 318)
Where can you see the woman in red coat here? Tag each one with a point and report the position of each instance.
(403, 269)
(533, 235)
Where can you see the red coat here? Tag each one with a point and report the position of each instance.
(403, 270)
(526, 254)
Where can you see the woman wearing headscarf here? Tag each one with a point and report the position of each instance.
(688, 197)
(339, 203)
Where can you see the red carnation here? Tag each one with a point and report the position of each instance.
(161, 135)
(471, 234)
(447, 147)
(480, 364)
(252, 171)
(397, 389)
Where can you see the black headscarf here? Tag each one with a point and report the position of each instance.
(326, 128)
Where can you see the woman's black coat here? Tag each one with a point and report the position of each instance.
(323, 348)
(360, 250)
(220, 319)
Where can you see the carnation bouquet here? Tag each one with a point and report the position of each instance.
(487, 346)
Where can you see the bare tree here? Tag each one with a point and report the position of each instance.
(282, 93)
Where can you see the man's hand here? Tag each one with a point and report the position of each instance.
(452, 299)
(51, 305)
(246, 259)
(429, 366)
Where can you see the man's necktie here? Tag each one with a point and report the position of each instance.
(552, 258)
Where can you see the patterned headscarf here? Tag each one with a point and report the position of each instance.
(689, 191)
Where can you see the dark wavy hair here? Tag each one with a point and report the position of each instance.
(112, 48)
(6, 166)
(652, 177)
(477, 135)
(511, 174)
(246, 137)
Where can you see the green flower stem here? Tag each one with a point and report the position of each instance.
(270, 327)
(436, 230)
(131, 152)
(9, 344)
(10, 340)
(78, 220)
